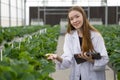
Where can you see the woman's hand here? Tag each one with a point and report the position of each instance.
(86, 57)
(54, 57)
(51, 56)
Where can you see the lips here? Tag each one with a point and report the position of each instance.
(76, 24)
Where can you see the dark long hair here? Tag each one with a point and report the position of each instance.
(86, 28)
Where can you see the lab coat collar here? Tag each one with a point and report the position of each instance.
(74, 34)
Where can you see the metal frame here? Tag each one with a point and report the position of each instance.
(106, 14)
(0, 12)
(117, 15)
(25, 13)
(45, 10)
(16, 12)
(38, 16)
(9, 13)
(22, 12)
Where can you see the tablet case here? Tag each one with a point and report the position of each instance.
(81, 60)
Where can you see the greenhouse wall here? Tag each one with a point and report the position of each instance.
(96, 14)
(11, 13)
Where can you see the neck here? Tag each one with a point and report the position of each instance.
(79, 31)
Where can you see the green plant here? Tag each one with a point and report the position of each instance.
(28, 61)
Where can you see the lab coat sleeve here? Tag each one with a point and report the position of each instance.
(99, 46)
(67, 55)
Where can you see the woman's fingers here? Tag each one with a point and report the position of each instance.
(47, 55)
(51, 56)
(88, 57)
(85, 56)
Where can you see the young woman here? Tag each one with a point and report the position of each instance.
(82, 38)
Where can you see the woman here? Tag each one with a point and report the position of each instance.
(82, 38)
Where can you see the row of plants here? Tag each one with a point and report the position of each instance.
(8, 33)
(27, 61)
(111, 34)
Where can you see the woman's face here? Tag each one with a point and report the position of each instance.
(76, 19)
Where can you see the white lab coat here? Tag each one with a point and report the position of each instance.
(87, 70)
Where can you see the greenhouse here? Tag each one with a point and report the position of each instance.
(30, 29)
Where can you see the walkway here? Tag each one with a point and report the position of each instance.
(64, 74)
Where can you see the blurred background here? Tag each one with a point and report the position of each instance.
(29, 29)
(35, 12)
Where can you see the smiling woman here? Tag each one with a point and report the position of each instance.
(82, 39)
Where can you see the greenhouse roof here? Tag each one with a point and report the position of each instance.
(63, 3)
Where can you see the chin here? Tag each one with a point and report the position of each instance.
(77, 27)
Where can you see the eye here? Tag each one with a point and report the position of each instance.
(74, 17)
(71, 19)
(77, 16)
